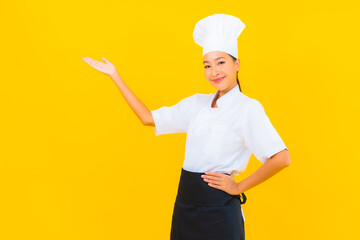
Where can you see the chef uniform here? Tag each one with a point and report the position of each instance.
(218, 139)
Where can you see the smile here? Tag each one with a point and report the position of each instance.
(217, 80)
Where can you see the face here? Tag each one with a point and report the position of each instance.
(218, 64)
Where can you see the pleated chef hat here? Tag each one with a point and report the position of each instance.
(218, 32)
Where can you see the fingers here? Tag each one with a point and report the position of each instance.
(216, 186)
(104, 59)
(216, 180)
(95, 64)
(214, 183)
(213, 175)
(90, 60)
(220, 181)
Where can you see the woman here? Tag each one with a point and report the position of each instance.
(223, 130)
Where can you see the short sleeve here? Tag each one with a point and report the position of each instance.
(174, 119)
(260, 135)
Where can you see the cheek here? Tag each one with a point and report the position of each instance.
(228, 71)
(207, 74)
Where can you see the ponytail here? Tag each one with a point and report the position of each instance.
(237, 79)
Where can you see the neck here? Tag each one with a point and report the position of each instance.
(222, 92)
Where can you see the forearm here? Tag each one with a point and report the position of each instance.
(138, 107)
(267, 170)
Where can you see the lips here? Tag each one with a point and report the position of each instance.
(218, 79)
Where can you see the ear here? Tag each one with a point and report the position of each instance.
(237, 64)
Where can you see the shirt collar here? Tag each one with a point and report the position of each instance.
(228, 97)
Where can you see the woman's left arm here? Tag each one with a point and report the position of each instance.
(272, 166)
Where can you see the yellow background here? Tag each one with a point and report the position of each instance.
(76, 162)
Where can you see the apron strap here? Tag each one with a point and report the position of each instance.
(242, 198)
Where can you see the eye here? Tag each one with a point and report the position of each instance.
(209, 66)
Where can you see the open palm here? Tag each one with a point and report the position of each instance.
(107, 68)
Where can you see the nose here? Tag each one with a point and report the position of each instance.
(214, 72)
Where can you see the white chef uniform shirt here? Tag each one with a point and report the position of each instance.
(220, 139)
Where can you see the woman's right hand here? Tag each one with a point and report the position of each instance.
(107, 68)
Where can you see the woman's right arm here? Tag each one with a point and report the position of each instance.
(139, 108)
(141, 111)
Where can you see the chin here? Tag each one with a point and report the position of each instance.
(218, 86)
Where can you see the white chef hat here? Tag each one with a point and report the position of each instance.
(218, 32)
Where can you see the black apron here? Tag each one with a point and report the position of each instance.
(202, 212)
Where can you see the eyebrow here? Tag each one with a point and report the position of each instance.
(215, 59)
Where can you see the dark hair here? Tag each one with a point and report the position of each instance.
(237, 79)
